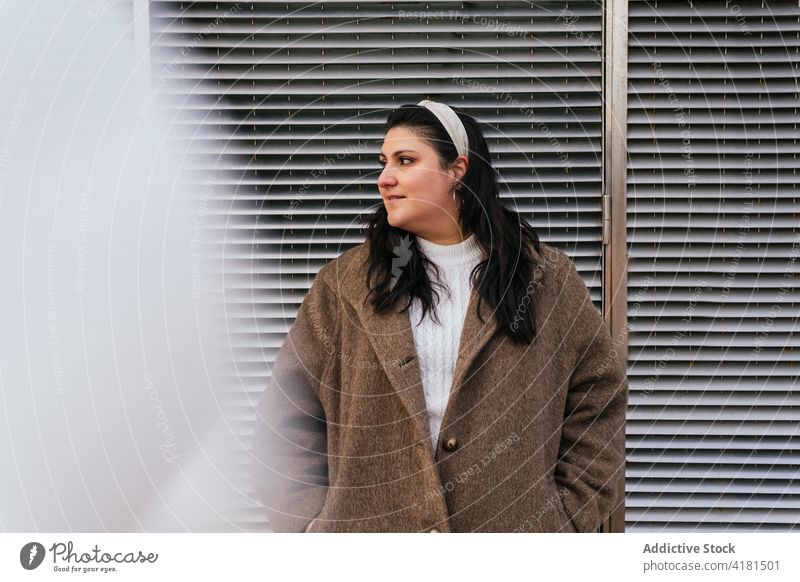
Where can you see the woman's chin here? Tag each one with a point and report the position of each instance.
(395, 219)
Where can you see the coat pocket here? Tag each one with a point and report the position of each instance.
(565, 524)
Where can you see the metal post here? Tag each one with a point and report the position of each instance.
(615, 121)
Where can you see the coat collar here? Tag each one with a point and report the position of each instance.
(391, 336)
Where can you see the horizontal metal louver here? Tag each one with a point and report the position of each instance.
(714, 245)
(283, 106)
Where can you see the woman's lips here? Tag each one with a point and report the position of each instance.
(394, 199)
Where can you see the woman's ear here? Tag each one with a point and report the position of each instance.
(459, 167)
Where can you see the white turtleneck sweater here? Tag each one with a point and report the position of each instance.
(437, 344)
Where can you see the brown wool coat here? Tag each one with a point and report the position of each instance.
(532, 438)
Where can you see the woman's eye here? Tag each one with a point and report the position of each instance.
(383, 163)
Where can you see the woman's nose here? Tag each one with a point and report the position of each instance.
(386, 178)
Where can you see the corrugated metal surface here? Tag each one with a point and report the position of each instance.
(283, 104)
(714, 247)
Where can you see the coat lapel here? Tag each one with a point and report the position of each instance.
(391, 336)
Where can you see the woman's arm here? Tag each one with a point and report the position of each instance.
(290, 440)
(592, 449)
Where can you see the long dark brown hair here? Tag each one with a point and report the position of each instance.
(399, 266)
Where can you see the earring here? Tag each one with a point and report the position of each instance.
(458, 206)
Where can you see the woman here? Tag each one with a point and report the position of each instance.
(451, 373)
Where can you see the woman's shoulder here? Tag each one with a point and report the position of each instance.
(556, 271)
(565, 285)
(345, 268)
(551, 259)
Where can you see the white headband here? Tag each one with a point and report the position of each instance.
(451, 122)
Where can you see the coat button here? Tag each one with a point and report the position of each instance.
(434, 530)
(450, 444)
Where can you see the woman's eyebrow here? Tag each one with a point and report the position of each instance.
(397, 152)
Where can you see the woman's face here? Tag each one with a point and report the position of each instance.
(411, 172)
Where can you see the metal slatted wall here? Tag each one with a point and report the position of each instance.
(714, 241)
(283, 104)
